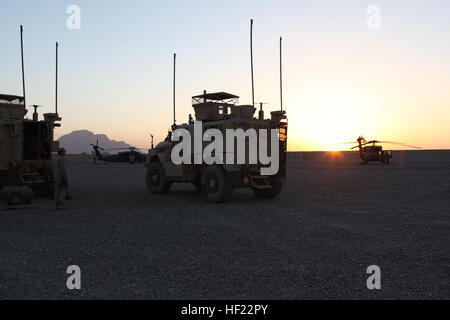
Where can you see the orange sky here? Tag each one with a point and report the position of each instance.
(340, 78)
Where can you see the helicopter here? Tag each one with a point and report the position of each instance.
(369, 151)
(131, 155)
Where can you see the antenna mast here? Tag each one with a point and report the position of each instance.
(281, 73)
(251, 60)
(23, 67)
(56, 81)
(174, 73)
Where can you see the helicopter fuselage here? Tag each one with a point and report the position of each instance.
(374, 154)
(128, 156)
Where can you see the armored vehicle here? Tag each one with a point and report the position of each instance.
(26, 146)
(232, 167)
(219, 111)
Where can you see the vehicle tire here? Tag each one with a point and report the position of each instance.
(46, 189)
(156, 179)
(277, 185)
(14, 199)
(214, 185)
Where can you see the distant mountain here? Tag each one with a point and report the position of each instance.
(79, 141)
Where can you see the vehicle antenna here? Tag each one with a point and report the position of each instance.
(251, 60)
(174, 87)
(23, 65)
(281, 73)
(56, 80)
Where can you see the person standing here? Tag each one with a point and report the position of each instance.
(60, 179)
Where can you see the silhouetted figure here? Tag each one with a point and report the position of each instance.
(61, 181)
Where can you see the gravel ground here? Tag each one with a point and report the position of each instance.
(316, 240)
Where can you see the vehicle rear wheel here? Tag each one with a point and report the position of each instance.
(277, 185)
(215, 187)
(156, 179)
(46, 189)
(17, 199)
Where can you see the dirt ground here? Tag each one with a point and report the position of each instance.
(332, 221)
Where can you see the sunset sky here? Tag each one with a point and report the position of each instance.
(342, 78)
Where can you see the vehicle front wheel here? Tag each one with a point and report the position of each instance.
(276, 184)
(215, 187)
(156, 179)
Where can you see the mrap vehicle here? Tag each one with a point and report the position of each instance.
(220, 111)
(26, 147)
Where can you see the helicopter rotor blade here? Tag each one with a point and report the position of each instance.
(117, 149)
(390, 142)
(96, 147)
(352, 142)
(130, 148)
(398, 143)
(340, 143)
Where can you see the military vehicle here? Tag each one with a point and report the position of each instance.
(26, 145)
(220, 111)
(369, 151)
(130, 156)
(217, 181)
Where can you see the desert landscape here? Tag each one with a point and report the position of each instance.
(333, 219)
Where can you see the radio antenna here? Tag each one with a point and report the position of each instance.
(174, 87)
(281, 73)
(251, 60)
(56, 80)
(23, 66)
